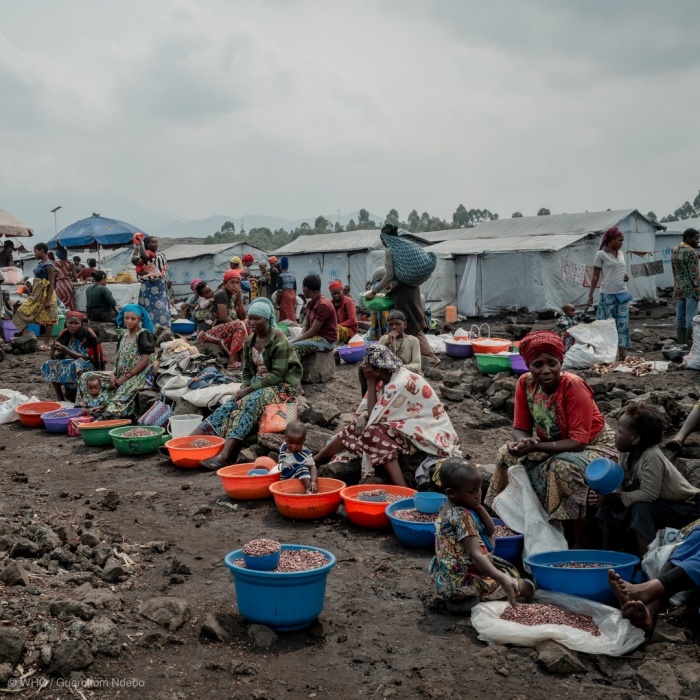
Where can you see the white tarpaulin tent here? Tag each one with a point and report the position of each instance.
(520, 262)
(352, 257)
(666, 241)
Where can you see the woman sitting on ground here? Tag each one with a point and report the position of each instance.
(76, 350)
(188, 306)
(271, 373)
(400, 413)
(229, 330)
(133, 366)
(641, 602)
(654, 494)
(41, 306)
(557, 431)
(101, 305)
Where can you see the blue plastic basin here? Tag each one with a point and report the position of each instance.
(508, 548)
(183, 326)
(457, 349)
(585, 583)
(351, 355)
(418, 535)
(604, 475)
(429, 502)
(282, 601)
(268, 562)
(59, 424)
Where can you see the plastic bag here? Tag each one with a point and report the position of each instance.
(659, 554)
(517, 505)
(7, 408)
(617, 635)
(595, 343)
(276, 416)
(692, 359)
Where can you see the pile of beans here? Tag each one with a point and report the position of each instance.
(538, 614)
(504, 531)
(261, 547)
(138, 432)
(378, 496)
(582, 565)
(201, 442)
(4, 398)
(60, 414)
(413, 516)
(292, 560)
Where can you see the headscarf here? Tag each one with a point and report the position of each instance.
(248, 259)
(336, 286)
(235, 260)
(610, 235)
(539, 342)
(75, 314)
(245, 286)
(272, 260)
(381, 357)
(88, 339)
(137, 309)
(264, 308)
(194, 283)
(231, 274)
(61, 254)
(284, 262)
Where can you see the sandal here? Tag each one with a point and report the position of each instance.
(211, 465)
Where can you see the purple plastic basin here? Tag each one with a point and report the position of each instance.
(518, 365)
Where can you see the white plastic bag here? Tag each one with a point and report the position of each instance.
(7, 408)
(692, 359)
(617, 635)
(595, 343)
(517, 505)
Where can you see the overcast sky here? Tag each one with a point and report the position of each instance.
(294, 108)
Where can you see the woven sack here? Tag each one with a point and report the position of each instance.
(412, 265)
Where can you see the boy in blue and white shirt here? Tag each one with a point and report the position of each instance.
(296, 461)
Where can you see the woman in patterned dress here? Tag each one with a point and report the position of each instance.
(286, 292)
(76, 350)
(133, 370)
(65, 276)
(271, 373)
(154, 296)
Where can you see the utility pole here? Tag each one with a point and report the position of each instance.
(55, 227)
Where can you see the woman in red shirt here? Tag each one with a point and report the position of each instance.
(557, 431)
(345, 312)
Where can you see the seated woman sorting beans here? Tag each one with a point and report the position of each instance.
(229, 330)
(557, 431)
(76, 350)
(401, 412)
(271, 373)
(133, 367)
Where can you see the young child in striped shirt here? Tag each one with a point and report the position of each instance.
(295, 460)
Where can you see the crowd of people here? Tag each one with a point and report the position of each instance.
(557, 427)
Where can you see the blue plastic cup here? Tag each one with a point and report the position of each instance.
(267, 562)
(258, 472)
(428, 502)
(604, 476)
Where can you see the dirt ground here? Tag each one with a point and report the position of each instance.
(380, 635)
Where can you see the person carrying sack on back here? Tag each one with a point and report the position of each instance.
(406, 296)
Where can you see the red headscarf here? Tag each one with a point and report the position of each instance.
(230, 274)
(248, 259)
(75, 314)
(539, 342)
(336, 286)
(610, 235)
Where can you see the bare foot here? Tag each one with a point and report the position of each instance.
(436, 361)
(638, 614)
(618, 587)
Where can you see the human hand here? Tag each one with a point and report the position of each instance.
(370, 295)
(523, 447)
(313, 487)
(510, 589)
(596, 500)
(47, 304)
(113, 380)
(626, 277)
(360, 425)
(242, 393)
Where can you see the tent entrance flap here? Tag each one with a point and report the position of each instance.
(466, 295)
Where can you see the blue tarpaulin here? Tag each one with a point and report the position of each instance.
(93, 232)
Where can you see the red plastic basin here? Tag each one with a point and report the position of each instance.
(238, 484)
(371, 513)
(292, 502)
(182, 454)
(30, 413)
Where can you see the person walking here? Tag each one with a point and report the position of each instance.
(686, 284)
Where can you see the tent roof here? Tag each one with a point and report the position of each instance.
(676, 227)
(12, 226)
(505, 244)
(332, 243)
(183, 251)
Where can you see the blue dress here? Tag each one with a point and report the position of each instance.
(68, 370)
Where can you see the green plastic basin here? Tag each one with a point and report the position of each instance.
(97, 434)
(379, 303)
(137, 445)
(492, 364)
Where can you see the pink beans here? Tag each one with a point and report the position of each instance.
(201, 442)
(260, 548)
(413, 516)
(292, 560)
(538, 614)
(582, 565)
(379, 496)
(138, 432)
(4, 398)
(503, 531)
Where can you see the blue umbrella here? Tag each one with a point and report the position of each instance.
(93, 232)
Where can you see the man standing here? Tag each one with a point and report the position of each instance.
(320, 332)
(345, 312)
(686, 284)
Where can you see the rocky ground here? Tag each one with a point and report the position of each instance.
(112, 581)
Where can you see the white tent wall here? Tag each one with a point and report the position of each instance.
(666, 241)
(510, 280)
(441, 289)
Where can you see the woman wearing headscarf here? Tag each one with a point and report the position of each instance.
(229, 330)
(401, 412)
(76, 350)
(133, 365)
(609, 268)
(406, 299)
(187, 308)
(65, 276)
(345, 312)
(271, 373)
(41, 305)
(154, 295)
(287, 288)
(557, 431)
(274, 274)
(247, 276)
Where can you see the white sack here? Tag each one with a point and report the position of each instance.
(519, 508)
(7, 408)
(596, 343)
(617, 635)
(692, 359)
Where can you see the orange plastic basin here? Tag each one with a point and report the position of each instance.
(491, 346)
(238, 484)
(292, 502)
(30, 413)
(265, 463)
(182, 454)
(371, 513)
